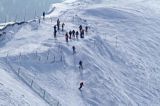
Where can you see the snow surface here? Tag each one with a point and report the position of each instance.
(120, 54)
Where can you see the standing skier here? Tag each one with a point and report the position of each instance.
(58, 24)
(77, 33)
(70, 34)
(80, 28)
(66, 36)
(73, 33)
(44, 15)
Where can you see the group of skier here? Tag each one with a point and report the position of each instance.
(57, 28)
(72, 34)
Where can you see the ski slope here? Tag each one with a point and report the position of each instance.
(120, 55)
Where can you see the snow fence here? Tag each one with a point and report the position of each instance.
(35, 87)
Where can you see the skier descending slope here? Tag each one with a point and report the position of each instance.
(80, 65)
(74, 49)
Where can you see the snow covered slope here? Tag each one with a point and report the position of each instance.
(120, 54)
(14, 93)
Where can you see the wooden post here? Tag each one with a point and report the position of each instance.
(25, 15)
(44, 94)
(116, 41)
(31, 83)
(19, 71)
(39, 58)
(54, 58)
(35, 14)
(15, 19)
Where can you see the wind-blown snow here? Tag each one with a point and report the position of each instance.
(120, 54)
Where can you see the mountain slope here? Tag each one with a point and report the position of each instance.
(120, 54)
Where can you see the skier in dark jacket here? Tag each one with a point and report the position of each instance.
(55, 33)
(81, 85)
(55, 28)
(66, 36)
(70, 34)
(74, 49)
(73, 33)
(80, 65)
(58, 24)
(80, 28)
(77, 33)
(82, 33)
(44, 15)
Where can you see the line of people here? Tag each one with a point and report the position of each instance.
(57, 28)
(75, 35)
(72, 34)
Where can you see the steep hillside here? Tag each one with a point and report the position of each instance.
(120, 54)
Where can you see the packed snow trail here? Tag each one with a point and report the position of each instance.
(120, 53)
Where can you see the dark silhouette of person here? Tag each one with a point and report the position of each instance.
(66, 36)
(77, 34)
(80, 65)
(44, 15)
(81, 85)
(70, 34)
(58, 24)
(55, 33)
(74, 49)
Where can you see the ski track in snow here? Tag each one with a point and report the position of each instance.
(120, 54)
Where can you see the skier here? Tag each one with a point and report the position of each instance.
(86, 29)
(80, 28)
(77, 33)
(74, 49)
(58, 24)
(81, 85)
(80, 65)
(66, 37)
(55, 28)
(44, 15)
(82, 33)
(73, 33)
(63, 26)
(55, 32)
(70, 34)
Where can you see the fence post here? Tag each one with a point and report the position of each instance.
(116, 41)
(7, 58)
(25, 15)
(19, 71)
(61, 58)
(58, 104)
(5, 20)
(94, 43)
(39, 58)
(44, 94)
(48, 55)
(36, 53)
(15, 19)
(32, 83)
